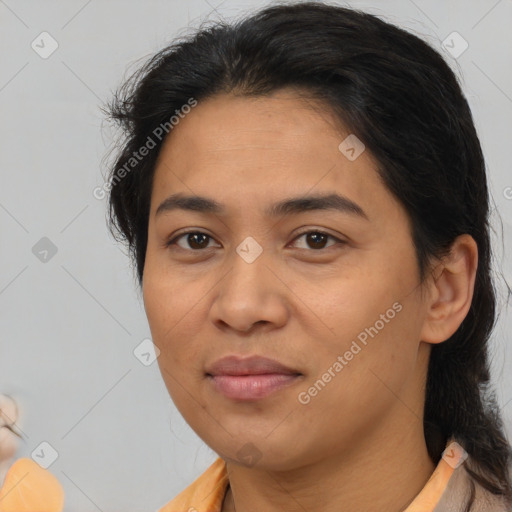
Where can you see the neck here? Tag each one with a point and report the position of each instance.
(382, 473)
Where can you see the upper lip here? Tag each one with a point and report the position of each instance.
(254, 365)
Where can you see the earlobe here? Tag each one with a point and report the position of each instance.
(451, 286)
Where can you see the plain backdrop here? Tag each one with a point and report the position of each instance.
(71, 315)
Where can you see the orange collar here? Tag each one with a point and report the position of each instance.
(207, 492)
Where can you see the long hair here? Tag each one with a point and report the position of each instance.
(401, 99)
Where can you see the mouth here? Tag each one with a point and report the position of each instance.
(252, 378)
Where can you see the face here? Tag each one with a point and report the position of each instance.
(330, 293)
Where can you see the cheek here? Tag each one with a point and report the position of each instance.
(172, 309)
(158, 310)
(374, 328)
(162, 294)
(373, 373)
(172, 332)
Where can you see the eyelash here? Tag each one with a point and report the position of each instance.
(173, 241)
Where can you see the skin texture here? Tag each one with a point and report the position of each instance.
(359, 443)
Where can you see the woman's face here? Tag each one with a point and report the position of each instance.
(342, 311)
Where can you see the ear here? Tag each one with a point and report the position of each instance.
(450, 289)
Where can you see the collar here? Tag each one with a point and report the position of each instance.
(207, 492)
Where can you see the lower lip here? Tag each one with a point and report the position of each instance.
(251, 387)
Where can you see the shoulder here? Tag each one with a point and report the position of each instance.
(462, 486)
(205, 494)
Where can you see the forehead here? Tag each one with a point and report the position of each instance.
(278, 122)
(251, 151)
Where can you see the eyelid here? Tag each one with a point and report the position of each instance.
(322, 232)
(173, 238)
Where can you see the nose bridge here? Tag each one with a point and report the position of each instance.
(249, 250)
(248, 292)
(248, 264)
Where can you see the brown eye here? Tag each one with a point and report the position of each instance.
(195, 240)
(316, 239)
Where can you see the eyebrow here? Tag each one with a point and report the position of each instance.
(293, 205)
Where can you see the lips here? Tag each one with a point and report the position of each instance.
(254, 365)
(250, 379)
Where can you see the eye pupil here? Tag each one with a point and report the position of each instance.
(313, 236)
(191, 240)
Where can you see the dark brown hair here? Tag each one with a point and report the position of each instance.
(402, 100)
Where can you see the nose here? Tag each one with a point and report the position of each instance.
(248, 295)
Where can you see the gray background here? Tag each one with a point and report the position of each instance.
(69, 325)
